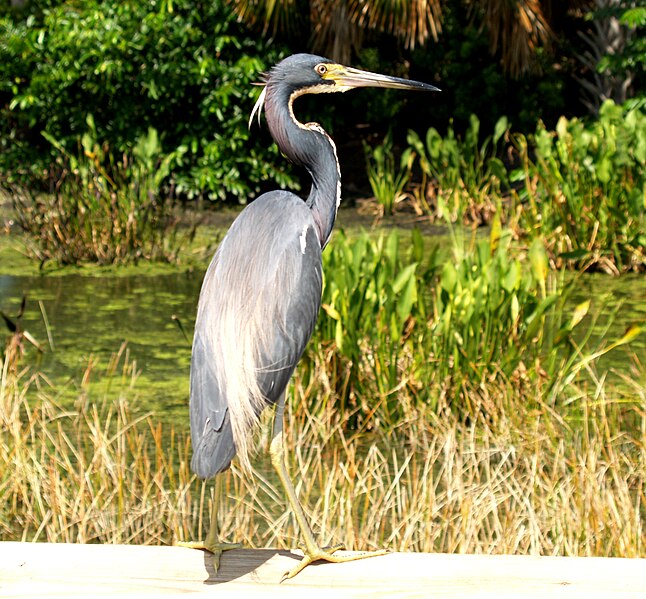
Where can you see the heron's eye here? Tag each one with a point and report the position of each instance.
(321, 69)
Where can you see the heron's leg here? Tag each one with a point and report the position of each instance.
(312, 550)
(212, 542)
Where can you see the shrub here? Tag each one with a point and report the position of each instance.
(181, 67)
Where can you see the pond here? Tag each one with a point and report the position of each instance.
(90, 317)
(86, 319)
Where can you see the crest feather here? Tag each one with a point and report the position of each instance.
(258, 106)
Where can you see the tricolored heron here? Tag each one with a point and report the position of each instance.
(262, 291)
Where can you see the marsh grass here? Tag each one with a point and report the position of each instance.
(441, 406)
(103, 209)
(88, 474)
(528, 484)
(531, 480)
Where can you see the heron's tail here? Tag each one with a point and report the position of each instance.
(214, 450)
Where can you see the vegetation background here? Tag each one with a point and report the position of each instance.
(184, 68)
(456, 391)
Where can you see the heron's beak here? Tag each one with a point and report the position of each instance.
(346, 78)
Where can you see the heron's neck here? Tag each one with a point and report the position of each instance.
(310, 146)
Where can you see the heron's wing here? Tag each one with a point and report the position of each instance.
(211, 432)
(258, 307)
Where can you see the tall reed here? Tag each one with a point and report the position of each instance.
(534, 481)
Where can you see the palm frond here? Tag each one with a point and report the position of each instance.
(334, 32)
(272, 16)
(412, 21)
(517, 28)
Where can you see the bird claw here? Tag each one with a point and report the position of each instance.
(217, 549)
(327, 554)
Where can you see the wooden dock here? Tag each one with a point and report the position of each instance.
(62, 570)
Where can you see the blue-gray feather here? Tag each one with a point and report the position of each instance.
(257, 310)
(262, 292)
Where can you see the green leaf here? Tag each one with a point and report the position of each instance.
(539, 260)
(407, 299)
(402, 279)
(449, 277)
(501, 127)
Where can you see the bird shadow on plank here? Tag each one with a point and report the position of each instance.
(251, 564)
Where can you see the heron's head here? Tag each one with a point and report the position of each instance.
(309, 74)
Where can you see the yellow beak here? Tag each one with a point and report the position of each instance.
(346, 78)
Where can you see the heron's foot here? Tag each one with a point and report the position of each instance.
(328, 554)
(217, 549)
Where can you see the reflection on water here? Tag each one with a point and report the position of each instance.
(92, 317)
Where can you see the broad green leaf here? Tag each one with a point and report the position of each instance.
(501, 127)
(539, 260)
(407, 299)
(407, 274)
(449, 277)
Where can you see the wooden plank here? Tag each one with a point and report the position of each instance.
(65, 570)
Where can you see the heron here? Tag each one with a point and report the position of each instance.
(261, 294)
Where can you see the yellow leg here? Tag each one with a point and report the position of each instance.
(212, 542)
(312, 550)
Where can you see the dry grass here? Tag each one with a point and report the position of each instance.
(532, 482)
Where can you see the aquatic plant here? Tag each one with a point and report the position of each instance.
(580, 187)
(102, 209)
(584, 189)
(373, 293)
(440, 324)
(462, 177)
(388, 180)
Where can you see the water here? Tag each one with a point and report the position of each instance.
(616, 303)
(91, 317)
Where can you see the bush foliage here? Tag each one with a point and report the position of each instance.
(180, 67)
(102, 211)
